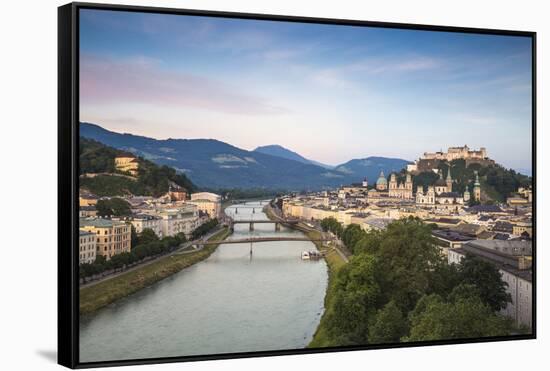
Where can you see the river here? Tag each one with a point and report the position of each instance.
(231, 302)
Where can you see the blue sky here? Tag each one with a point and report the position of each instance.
(331, 93)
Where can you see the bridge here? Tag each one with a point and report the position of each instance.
(251, 223)
(248, 207)
(262, 239)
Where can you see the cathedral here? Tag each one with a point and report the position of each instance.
(440, 195)
(402, 190)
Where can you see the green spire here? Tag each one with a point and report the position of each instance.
(476, 184)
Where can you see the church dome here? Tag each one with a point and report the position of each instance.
(381, 179)
(440, 182)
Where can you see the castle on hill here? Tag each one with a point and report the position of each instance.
(431, 160)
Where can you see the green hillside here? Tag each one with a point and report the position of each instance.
(152, 179)
(497, 182)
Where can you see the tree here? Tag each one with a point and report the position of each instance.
(147, 236)
(356, 298)
(113, 207)
(351, 235)
(388, 326)
(464, 317)
(487, 279)
(133, 236)
(332, 225)
(406, 255)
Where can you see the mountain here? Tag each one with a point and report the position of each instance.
(151, 180)
(280, 151)
(213, 164)
(370, 167)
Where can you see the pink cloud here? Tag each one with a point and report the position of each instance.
(142, 81)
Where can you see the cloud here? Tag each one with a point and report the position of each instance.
(141, 80)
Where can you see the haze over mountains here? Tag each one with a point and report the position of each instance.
(214, 164)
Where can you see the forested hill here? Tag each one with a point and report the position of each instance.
(152, 179)
(497, 182)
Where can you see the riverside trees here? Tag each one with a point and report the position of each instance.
(398, 287)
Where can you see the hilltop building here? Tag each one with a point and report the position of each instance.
(430, 160)
(455, 153)
(177, 194)
(127, 163)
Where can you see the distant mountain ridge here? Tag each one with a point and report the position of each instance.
(210, 163)
(280, 151)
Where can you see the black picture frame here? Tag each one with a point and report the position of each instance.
(68, 134)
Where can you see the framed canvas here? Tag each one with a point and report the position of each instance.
(243, 185)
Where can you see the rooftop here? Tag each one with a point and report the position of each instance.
(100, 223)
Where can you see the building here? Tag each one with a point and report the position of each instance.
(456, 153)
(376, 224)
(177, 194)
(183, 220)
(86, 247)
(381, 182)
(440, 195)
(87, 199)
(402, 190)
(87, 211)
(145, 221)
(112, 236)
(522, 228)
(514, 261)
(477, 189)
(207, 202)
(127, 163)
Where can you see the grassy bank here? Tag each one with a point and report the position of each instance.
(94, 297)
(334, 263)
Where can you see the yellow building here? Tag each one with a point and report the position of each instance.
(207, 202)
(127, 163)
(523, 227)
(112, 237)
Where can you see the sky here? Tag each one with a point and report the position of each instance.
(331, 93)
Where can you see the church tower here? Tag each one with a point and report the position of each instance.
(477, 188)
(466, 195)
(393, 182)
(409, 182)
(449, 181)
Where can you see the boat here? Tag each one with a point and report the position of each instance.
(312, 254)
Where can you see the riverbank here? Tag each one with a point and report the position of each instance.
(103, 293)
(335, 261)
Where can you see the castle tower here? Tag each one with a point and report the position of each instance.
(477, 188)
(449, 181)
